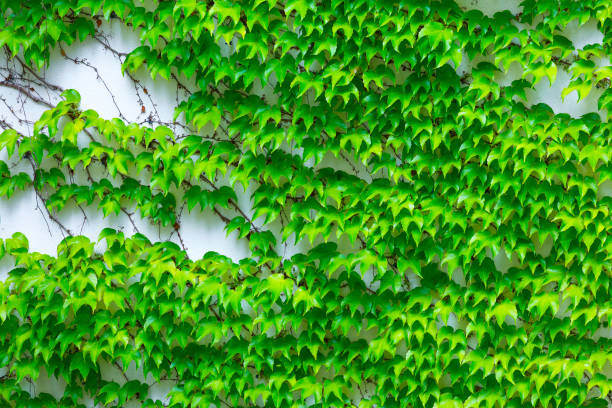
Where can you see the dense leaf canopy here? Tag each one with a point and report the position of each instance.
(394, 299)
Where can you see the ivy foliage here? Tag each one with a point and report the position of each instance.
(396, 300)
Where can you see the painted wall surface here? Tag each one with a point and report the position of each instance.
(95, 72)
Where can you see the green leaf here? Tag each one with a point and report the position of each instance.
(8, 140)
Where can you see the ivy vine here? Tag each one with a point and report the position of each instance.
(396, 300)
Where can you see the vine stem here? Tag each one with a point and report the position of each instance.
(26, 92)
(43, 200)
